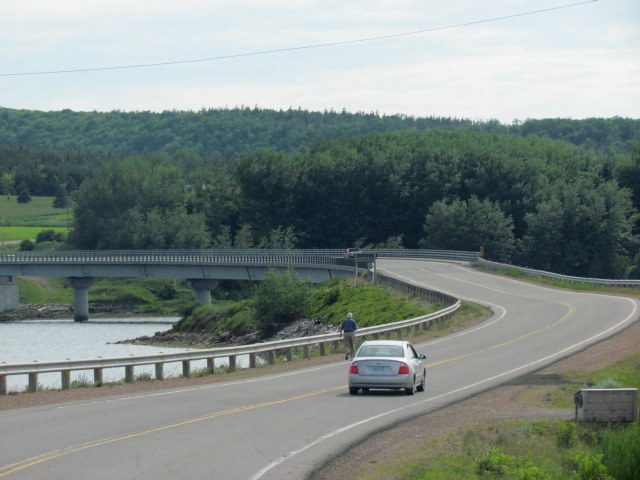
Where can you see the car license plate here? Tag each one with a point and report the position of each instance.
(376, 370)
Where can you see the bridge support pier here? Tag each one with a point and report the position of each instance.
(80, 297)
(202, 287)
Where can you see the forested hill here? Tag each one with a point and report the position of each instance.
(220, 133)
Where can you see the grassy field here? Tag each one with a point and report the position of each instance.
(23, 221)
(39, 212)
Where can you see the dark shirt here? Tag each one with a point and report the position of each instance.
(349, 325)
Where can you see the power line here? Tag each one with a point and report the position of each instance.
(302, 47)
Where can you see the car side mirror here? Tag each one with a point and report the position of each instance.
(422, 356)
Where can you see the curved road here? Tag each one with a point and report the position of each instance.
(281, 426)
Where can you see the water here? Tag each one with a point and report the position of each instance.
(55, 340)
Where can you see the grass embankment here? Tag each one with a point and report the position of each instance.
(142, 295)
(23, 221)
(330, 302)
(578, 286)
(532, 450)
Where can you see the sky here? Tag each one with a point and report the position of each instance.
(475, 59)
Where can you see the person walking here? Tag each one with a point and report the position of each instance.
(348, 332)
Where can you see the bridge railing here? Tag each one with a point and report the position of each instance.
(268, 349)
(222, 256)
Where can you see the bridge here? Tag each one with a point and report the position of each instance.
(202, 269)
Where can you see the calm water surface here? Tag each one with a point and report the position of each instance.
(55, 340)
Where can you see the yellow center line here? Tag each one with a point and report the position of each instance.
(459, 357)
(512, 340)
(15, 467)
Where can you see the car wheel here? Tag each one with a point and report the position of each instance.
(411, 390)
(422, 385)
(353, 390)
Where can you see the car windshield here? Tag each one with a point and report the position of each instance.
(381, 351)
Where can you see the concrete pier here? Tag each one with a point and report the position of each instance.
(81, 287)
(8, 294)
(202, 287)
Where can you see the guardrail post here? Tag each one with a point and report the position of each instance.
(65, 379)
(336, 346)
(387, 335)
(33, 382)
(323, 351)
(305, 351)
(252, 360)
(289, 353)
(3, 384)
(160, 371)
(186, 368)
(211, 366)
(232, 363)
(128, 373)
(271, 357)
(97, 377)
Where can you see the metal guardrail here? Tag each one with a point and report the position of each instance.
(222, 256)
(627, 283)
(268, 348)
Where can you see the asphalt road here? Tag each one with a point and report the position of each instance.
(282, 426)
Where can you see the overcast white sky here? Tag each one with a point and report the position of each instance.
(577, 62)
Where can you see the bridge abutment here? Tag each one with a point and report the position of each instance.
(8, 294)
(81, 287)
(202, 287)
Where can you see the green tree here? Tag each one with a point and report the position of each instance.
(279, 238)
(135, 203)
(628, 174)
(281, 299)
(61, 200)
(469, 225)
(581, 228)
(23, 193)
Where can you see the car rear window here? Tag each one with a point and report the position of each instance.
(381, 351)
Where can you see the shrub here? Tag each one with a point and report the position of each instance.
(589, 467)
(279, 300)
(26, 246)
(566, 435)
(494, 463)
(50, 236)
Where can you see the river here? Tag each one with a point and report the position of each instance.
(54, 340)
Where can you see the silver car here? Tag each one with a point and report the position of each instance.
(388, 364)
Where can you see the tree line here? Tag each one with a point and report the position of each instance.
(45, 152)
(531, 201)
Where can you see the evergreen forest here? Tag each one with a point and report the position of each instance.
(556, 194)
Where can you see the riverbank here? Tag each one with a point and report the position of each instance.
(64, 311)
(175, 339)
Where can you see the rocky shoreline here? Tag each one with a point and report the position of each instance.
(169, 338)
(172, 338)
(64, 311)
